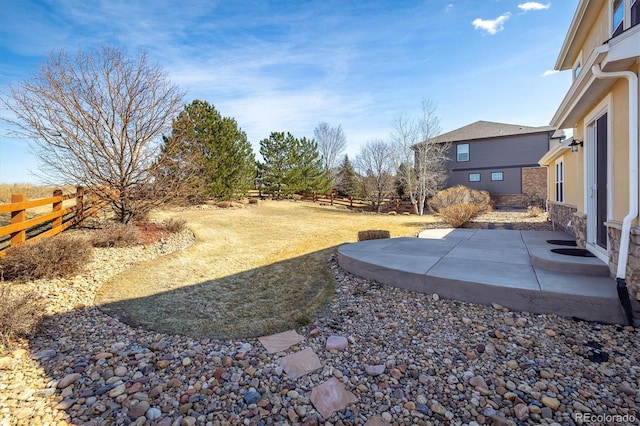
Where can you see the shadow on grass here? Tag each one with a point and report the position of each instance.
(252, 303)
(152, 335)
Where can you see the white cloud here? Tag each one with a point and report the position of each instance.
(533, 5)
(492, 26)
(549, 72)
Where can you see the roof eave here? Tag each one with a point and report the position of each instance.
(582, 20)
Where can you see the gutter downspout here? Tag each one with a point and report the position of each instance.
(621, 274)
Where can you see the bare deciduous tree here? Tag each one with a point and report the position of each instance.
(97, 118)
(412, 146)
(331, 143)
(376, 171)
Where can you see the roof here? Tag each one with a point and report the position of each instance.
(488, 129)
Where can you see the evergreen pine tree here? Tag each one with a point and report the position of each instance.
(347, 179)
(214, 150)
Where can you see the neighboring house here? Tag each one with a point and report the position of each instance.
(499, 158)
(593, 178)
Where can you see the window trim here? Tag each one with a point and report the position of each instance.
(475, 174)
(497, 180)
(458, 153)
(559, 180)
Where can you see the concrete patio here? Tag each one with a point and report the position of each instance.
(515, 269)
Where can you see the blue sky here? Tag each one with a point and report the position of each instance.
(288, 65)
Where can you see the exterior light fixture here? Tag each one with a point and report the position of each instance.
(574, 145)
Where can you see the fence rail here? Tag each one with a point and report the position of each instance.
(388, 205)
(20, 229)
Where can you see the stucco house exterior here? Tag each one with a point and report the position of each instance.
(499, 158)
(593, 177)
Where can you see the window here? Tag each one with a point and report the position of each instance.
(474, 177)
(618, 17)
(462, 152)
(560, 180)
(635, 12)
(576, 70)
(497, 176)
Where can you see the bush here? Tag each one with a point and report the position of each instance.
(174, 225)
(253, 201)
(115, 234)
(457, 215)
(534, 211)
(460, 195)
(20, 313)
(374, 234)
(58, 256)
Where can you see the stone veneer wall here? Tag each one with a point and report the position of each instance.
(614, 231)
(580, 229)
(534, 184)
(561, 215)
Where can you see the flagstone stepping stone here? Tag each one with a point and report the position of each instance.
(281, 341)
(331, 396)
(376, 421)
(338, 343)
(300, 363)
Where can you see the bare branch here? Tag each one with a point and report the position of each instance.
(331, 144)
(419, 162)
(375, 168)
(97, 118)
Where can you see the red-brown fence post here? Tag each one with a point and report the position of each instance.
(17, 217)
(351, 201)
(57, 206)
(331, 197)
(79, 206)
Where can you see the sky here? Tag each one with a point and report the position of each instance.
(289, 65)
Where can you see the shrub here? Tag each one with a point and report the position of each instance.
(58, 256)
(115, 234)
(174, 225)
(457, 215)
(373, 234)
(534, 211)
(253, 201)
(20, 313)
(460, 195)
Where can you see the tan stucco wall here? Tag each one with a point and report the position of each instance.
(599, 32)
(620, 149)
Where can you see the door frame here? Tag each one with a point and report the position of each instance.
(590, 177)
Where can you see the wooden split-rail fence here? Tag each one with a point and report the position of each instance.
(21, 228)
(388, 205)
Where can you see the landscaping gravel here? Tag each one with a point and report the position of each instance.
(409, 359)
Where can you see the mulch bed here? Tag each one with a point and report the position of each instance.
(150, 232)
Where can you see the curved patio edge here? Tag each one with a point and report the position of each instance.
(601, 305)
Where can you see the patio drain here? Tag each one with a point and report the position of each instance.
(577, 252)
(568, 243)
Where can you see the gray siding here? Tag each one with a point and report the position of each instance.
(506, 154)
(512, 183)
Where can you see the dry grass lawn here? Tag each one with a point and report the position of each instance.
(252, 271)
